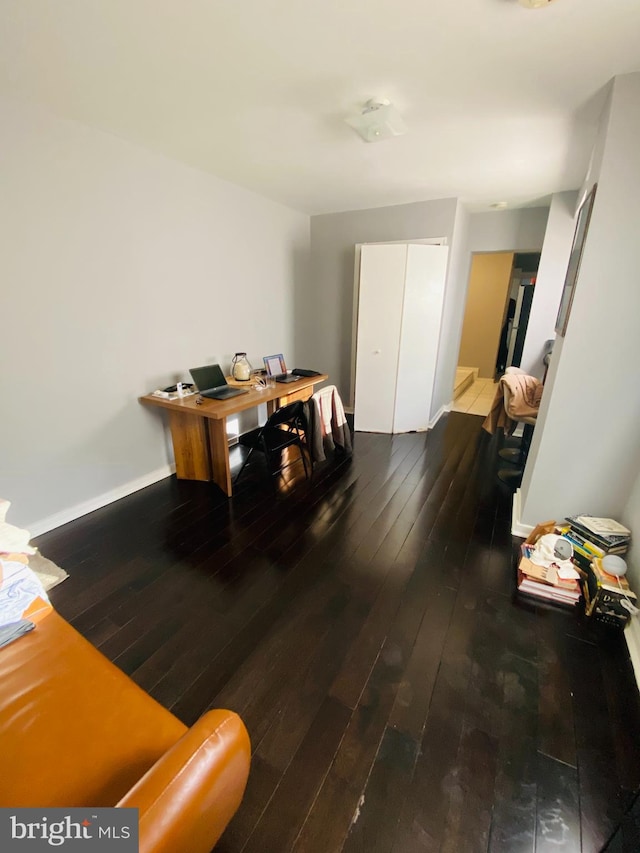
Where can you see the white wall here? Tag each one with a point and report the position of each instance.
(585, 455)
(120, 270)
(630, 516)
(326, 337)
(554, 260)
(452, 312)
(520, 230)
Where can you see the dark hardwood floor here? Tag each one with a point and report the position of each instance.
(398, 697)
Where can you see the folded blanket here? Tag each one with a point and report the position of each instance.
(22, 596)
(11, 632)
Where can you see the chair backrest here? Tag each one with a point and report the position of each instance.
(293, 414)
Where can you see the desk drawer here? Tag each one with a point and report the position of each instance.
(303, 395)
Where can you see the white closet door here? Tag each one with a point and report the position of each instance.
(382, 272)
(419, 336)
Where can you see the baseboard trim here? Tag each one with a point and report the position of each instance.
(348, 410)
(44, 525)
(632, 636)
(518, 528)
(441, 411)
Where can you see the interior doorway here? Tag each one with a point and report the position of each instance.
(499, 297)
(518, 309)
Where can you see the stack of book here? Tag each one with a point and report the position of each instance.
(547, 583)
(608, 598)
(593, 538)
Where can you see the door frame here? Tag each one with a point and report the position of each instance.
(472, 254)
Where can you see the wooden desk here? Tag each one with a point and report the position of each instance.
(199, 432)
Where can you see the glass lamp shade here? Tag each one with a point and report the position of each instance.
(240, 367)
(377, 121)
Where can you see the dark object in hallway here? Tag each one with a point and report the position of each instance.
(398, 697)
(503, 346)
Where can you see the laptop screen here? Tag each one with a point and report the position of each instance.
(209, 376)
(274, 364)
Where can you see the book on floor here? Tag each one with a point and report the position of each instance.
(548, 583)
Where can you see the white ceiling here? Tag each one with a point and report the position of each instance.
(501, 101)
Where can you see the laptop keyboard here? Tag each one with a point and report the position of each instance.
(223, 393)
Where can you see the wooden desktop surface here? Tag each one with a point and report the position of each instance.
(218, 409)
(199, 431)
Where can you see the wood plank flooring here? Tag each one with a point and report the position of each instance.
(398, 696)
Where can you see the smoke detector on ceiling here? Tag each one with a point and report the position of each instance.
(377, 120)
(534, 4)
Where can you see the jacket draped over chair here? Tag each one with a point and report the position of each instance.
(328, 428)
(525, 393)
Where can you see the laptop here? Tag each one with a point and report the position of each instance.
(277, 369)
(212, 384)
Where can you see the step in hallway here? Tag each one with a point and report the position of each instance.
(475, 397)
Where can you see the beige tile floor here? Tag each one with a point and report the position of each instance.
(465, 377)
(477, 399)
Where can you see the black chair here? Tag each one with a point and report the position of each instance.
(286, 427)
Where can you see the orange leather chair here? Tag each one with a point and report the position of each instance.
(76, 731)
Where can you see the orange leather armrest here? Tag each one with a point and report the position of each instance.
(190, 794)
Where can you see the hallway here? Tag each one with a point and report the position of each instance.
(477, 399)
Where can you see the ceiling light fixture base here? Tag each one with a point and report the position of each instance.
(377, 120)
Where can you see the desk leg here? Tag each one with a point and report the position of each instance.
(190, 446)
(221, 469)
